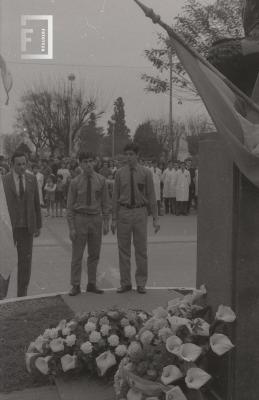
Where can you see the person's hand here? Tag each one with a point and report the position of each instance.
(105, 226)
(156, 225)
(72, 235)
(37, 233)
(113, 227)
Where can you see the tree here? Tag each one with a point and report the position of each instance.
(146, 139)
(196, 128)
(11, 142)
(118, 129)
(90, 135)
(200, 25)
(49, 115)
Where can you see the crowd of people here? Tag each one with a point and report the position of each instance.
(176, 183)
(93, 191)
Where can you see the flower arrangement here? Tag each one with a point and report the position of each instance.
(168, 360)
(93, 342)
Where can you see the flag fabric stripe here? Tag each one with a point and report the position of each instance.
(240, 134)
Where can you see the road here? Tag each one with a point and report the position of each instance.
(172, 257)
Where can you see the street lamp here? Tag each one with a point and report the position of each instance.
(171, 139)
(113, 140)
(71, 78)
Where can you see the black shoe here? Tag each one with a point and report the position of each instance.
(141, 289)
(124, 289)
(75, 290)
(93, 289)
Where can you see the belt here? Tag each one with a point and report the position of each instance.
(131, 207)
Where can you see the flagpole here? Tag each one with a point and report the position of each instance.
(157, 20)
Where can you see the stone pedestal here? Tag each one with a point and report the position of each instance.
(228, 259)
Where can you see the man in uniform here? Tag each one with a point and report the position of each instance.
(87, 214)
(133, 192)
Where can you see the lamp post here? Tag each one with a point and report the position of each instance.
(113, 140)
(71, 78)
(171, 139)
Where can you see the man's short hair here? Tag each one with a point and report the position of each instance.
(131, 147)
(17, 154)
(86, 156)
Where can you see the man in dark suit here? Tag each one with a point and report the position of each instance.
(23, 203)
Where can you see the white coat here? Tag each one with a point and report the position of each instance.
(183, 180)
(157, 176)
(169, 180)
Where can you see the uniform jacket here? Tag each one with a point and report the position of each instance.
(33, 212)
(183, 180)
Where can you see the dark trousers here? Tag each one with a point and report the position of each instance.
(181, 207)
(170, 205)
(24, 241)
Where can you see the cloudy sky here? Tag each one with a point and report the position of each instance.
(101, 41)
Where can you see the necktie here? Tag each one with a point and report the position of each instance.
(89, 190)
(21, 187)
(132, 193)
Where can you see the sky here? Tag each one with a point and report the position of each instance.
(102, 43)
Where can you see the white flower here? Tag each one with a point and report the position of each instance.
(202, 328)
(53, 333)
(42, 365)
(220, 343)
(129, 331)
(160, 313)
(29, 357)
(46, 334)
(70, 340)
(124, 322)
(134, 395)
(86, 347)
(173, 344)
(90, 327)
(68, 362)
(225, 314)
(159, 324)
(62, 324)
(57, 345)
(146, 337)
(190, 352)
(39, 342)
(164, 334)
(113, 340)
(104, 321)
(95, 337)
(176, 322)
(175, 394)
(104, 361)
(196, 378)
(142, 316)
(105, 330)
(134, 348)
(121, 350)
(66, 331)
(173, 305)
(170, 374)
(93, 320)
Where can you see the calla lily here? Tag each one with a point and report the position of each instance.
(42, 365)
(134, 395)
(190, 352)
(196, 378)
(176, 322)
(175, 394)
(220, 344)
(104, 361)
(201, 327)
(225, 314)
(173, 344)
(29, 357)
(68, 362)
(170, 374)
(57, 345)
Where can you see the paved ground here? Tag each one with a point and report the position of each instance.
(172, 257)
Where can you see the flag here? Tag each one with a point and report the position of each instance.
(6, 78)
(235, 116)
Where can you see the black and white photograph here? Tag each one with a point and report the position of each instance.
(129, 199)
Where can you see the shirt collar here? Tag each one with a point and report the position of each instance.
(16, 176)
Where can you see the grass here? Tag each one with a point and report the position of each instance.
(20, 324)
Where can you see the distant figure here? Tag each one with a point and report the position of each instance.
(22, 196)
(183, 180)
(87, 216)
(133, 192)
(40, 181)
(169, 188)
(50, 195)
(157, 176)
